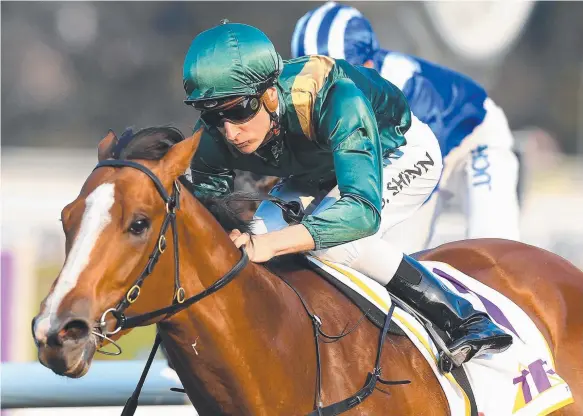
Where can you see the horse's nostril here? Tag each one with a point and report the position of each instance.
(36, 341)
(74, 330)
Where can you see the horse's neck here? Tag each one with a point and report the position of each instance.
(219, 343)
(249, 347)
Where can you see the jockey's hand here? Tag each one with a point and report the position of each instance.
(261, 248)
(256, 247)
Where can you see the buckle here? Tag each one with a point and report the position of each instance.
(180, 295)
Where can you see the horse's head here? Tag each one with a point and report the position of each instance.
(112, 230)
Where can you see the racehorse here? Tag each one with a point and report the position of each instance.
(247, 344)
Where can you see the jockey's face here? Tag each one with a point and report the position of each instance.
(248, 136)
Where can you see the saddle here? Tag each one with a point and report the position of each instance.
(520, 381)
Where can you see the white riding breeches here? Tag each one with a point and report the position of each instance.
(490, 168)
(482, 173)
(410, 175)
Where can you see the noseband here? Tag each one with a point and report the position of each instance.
(179, 301)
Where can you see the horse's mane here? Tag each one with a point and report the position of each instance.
(152, 143)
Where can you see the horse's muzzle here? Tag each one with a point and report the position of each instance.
(67, 347)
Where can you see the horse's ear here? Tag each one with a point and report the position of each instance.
(106, 145)
(178, 158)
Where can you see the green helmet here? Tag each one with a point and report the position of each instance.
(229, 60)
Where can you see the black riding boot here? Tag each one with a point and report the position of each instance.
(471, 332)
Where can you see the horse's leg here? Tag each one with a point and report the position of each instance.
(547, 287)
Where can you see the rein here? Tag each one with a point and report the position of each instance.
(179, 302)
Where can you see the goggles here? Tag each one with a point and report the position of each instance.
(236, 111)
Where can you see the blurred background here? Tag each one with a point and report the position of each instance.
(73, 70)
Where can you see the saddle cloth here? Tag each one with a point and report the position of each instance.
(520, 381)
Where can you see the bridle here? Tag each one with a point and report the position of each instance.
(179, 302)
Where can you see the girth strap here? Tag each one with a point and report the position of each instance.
(347, 404)
(370, 383)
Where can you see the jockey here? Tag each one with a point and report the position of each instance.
(341, 137)
(475, 139)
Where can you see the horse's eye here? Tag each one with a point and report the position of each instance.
(139, 226)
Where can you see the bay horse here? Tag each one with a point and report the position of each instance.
(248, 347)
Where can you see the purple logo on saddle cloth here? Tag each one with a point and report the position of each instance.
(540, 376)
(492, 310)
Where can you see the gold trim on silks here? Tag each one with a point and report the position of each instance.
(306, 86)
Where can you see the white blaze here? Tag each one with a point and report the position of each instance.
(95, 219)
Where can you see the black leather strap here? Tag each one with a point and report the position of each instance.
(128, 163)
(462, 378)
(172, 203)
(347, 404)
(134, 321)
(370, 383)
(132, 403)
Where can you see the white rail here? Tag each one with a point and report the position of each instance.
(108, 383)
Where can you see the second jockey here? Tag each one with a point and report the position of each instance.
(475, 139)
(339, 136)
